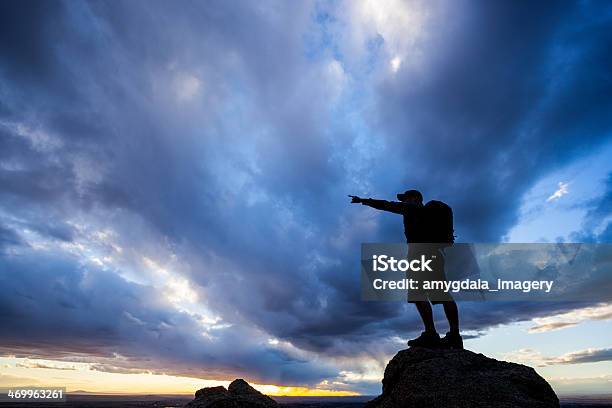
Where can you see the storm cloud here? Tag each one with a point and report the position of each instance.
(173, 179)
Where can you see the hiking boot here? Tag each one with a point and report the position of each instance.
(426, 339)
(452, 341)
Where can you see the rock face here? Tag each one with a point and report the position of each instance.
(423, 378)
(239, 394)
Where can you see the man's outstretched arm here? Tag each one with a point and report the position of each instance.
(384, 205)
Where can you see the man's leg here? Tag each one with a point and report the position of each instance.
(429, 338)
(452, 315)
(452, 339)
(424, 308)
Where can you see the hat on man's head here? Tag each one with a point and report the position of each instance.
(410, 193)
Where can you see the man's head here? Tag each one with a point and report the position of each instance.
(411, 196)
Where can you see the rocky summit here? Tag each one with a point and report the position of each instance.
(423, 378)
(239, 394)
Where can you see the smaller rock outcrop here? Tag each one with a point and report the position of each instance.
(239, 394)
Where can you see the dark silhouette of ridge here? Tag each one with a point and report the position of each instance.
(239, 394)
(430, 378)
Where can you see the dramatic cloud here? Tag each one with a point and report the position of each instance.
(563, 190)
(173, 180)
(583, 356)
(43, 365)
(572, 318)
(575, 357)
(597, 226)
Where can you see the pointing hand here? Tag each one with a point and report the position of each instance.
(355, 199)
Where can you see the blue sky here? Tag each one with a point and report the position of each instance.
(173, 182)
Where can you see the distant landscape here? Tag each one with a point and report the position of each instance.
(175, 401)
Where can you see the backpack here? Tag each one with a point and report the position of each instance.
(439, 223)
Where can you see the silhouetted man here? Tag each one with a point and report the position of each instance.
(417, 228)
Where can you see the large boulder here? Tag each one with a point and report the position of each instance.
(423, 378)
(239, 394)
